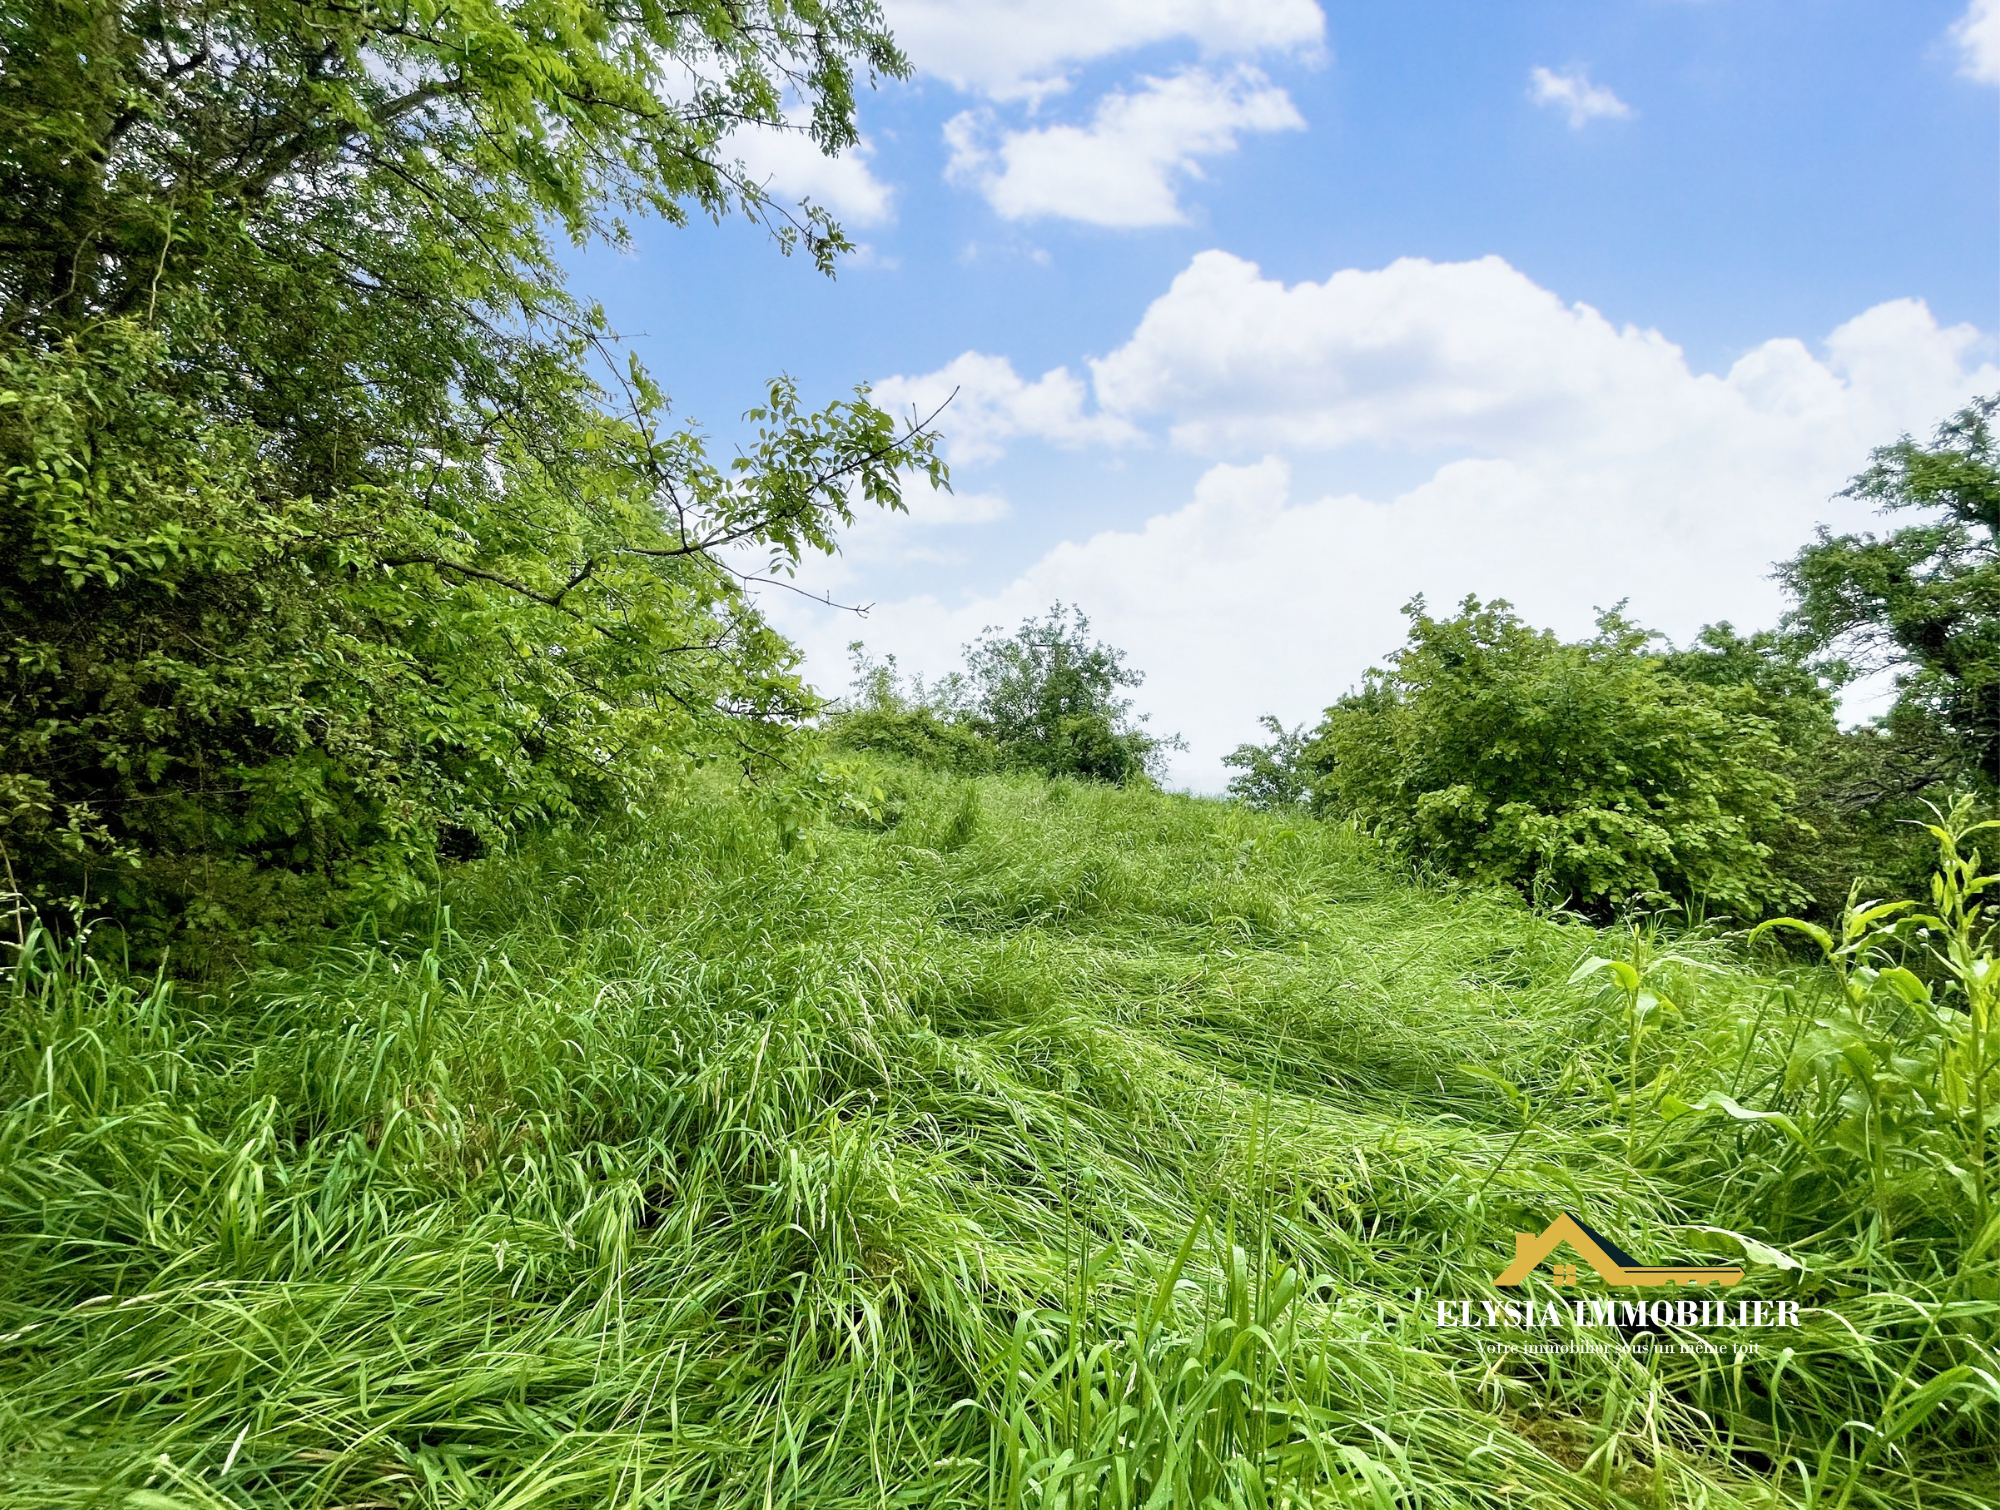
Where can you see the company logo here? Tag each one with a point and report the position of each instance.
(1613, 1264)
(1528, 1323)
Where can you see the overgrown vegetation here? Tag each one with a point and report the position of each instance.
(1715, 777)
(1586, 771)
(990, 1129)
(1045, 699)
(1054, 1145)
(334, 533)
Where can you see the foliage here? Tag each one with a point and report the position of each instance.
(918, 734)
(1043, 699)
(1860, 793)
(222, 695)
(1914, 1058)
(887, 714)
(1049, 694)
(1857, 790)
(1794, 691)
(1093, 1160)
(1645, 1009)
(1588, 770)
(1923, 599)
(381, 173)
(1276, 775)
(324, 547)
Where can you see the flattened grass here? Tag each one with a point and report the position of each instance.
(1050, 1146)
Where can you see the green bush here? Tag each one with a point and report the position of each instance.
(1586, 771)
(1276, 775)
(226, 701)
(886, 713)
(919, 734)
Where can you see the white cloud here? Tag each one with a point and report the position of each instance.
(1593, 465)
(994, 404)
(1573, 92)
(1024, 49)
(1977, 34)
(1124, 168)
(790, 164)
(1476, 356)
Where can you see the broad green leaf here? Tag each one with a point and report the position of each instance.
(1811, 930)
(1718, 1101)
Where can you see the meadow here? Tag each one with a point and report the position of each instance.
(1009, 1143)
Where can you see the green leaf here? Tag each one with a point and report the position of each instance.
(1624, 974)
(1798, 925)
(1506, 1087)
(1905, 986)
(1754, 1251)
(1983, 1243)
(1717, 1101)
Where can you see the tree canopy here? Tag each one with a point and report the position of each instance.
(1922, 600)
(1050, 694)
(1276, 775)
(334, 528)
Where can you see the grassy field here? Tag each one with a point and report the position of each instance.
(1027, 1145)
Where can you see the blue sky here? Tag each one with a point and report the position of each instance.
(1266, 315)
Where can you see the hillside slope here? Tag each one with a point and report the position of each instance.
(1030, 1144)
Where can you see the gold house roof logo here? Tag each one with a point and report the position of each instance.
(1613, 1264)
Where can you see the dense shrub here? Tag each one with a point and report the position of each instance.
(934, 740)
(224, 696)
(1587, 770)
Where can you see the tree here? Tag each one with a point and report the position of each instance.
(1043, 698)
(1049, 696)
(1586, 768)
(1276, 775)
(1857, 791)
(332, 531)
(1922, 601)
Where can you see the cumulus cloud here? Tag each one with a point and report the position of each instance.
(1024, 49)
(995, 404)
(790, 164)
(1579, 463)
(1477, 356)
(1977, 34)
(1571, 91)
(1124, 168)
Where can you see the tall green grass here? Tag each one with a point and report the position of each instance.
(1025, 1145)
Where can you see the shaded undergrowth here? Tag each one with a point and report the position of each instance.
(1032, 1145)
